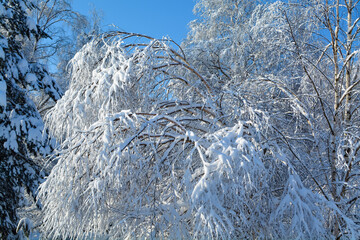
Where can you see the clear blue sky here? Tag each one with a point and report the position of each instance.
(156, 18)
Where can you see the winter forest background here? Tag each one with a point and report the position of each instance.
(248, 129)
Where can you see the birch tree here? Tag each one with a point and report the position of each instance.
(163, 157)
(66, 32)
(248, 130)
(303, 61)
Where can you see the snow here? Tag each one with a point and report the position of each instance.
(23, 6)
(11, 142)
(3, 43)
(2, 93)
(2, 53)
(34, 135)
(23, 66)
(47, 80)
(31, 23)
(2, 10)
(183, 157)
(31, 79)
(9, 13)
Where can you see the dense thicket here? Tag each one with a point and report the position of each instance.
(249, 129)
(246, 131)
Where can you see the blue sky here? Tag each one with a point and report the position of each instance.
(156, 18)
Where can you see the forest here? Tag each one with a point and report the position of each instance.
(248, 129)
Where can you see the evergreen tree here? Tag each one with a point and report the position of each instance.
(22, 144)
